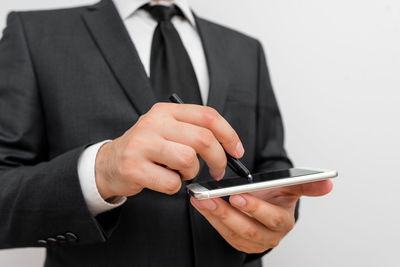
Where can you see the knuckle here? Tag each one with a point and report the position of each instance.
(223, 214)
(188, 157)
(133, 145)
(278, 221)
(210, 115)
(250, 233)
(191, 172)
(172, 186)
(158, 106)
(232, 236)
(145, 122)
(204, 138)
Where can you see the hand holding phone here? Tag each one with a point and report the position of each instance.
(254, 222)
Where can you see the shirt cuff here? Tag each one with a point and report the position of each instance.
(86, 173)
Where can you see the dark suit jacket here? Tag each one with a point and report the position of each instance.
(72, 77)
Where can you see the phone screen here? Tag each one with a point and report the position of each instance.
(258, 178)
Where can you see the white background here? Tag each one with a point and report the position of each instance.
(335, 66)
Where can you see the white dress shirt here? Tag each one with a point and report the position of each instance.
(141, 26)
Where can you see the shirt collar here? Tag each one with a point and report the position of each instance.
(127, 7)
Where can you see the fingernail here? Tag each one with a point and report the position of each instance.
(238, 201)
(207, 204)
(239, 150)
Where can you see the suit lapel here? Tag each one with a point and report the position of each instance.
(216, 63)
(112, 38)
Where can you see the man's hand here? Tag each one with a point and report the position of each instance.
(165, 139)
(258, 221)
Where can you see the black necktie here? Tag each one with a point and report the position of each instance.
(171, 70)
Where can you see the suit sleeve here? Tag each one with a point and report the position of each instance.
(270, 153)
(40, 198)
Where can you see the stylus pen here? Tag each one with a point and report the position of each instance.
(233, 163)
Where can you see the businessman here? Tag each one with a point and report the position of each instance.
(94, 160)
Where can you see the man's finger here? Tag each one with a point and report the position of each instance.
(160, 179)
(202, 140)
(313, 189)
(244, 234)
(238, 222)
(176, 156)
(317, 188)
(209, 118)
(272, 216)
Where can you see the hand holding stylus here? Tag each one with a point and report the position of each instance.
(161, 150)
(233, 162)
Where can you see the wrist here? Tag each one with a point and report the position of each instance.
(101, 174)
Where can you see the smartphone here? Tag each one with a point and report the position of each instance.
(261, 181)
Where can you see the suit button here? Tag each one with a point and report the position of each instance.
(71, 237)
(42, 243)
(61, 239)
(52, 241)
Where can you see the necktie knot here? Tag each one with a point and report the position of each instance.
(162, 13)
